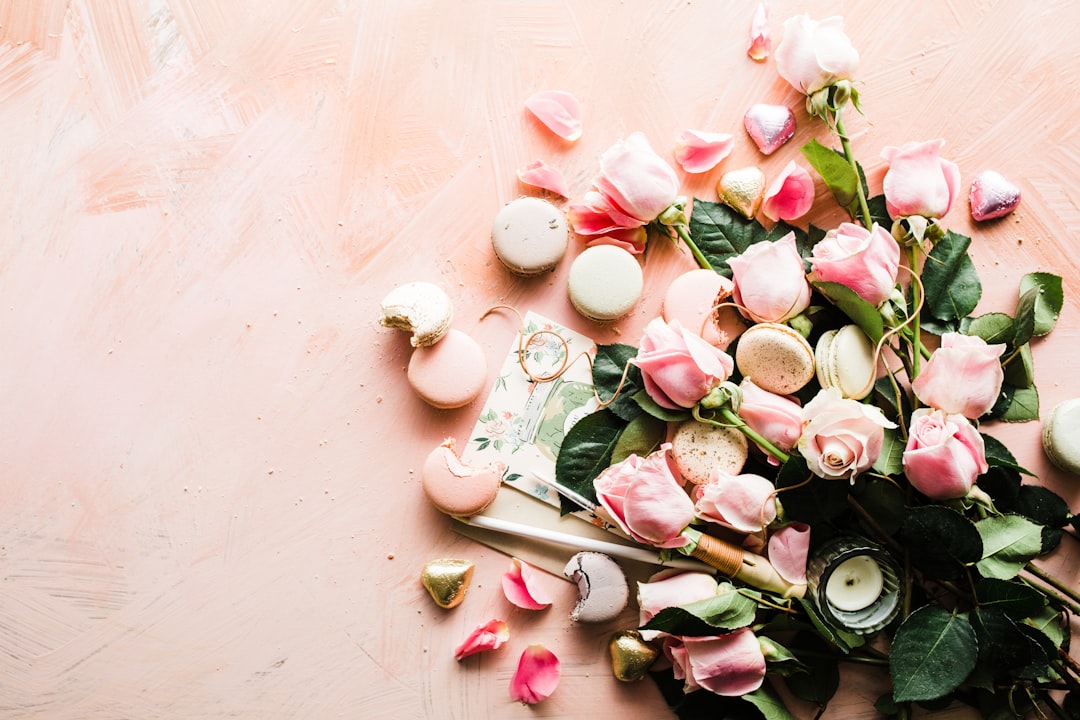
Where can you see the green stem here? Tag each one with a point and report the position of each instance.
(702, 261)
(1055, 583)
(1012, 356)
(850, 657)
(733, 420)
(916, 301)
(864, 208)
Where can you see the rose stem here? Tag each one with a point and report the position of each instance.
(1053, 582)
(864, 208)
(916, 301)
(694, 250)
(738, 423)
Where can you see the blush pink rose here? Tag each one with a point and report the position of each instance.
(769, 280)
(698, 151)
(774, 417)
(678, 367)
(643, 498)
(944, 454)
(918, 181)
(962, 377)
(790, 195)
(666, 589)
(731, 664)
(814, 54)
(841, 437)
(744, 503)
(866, 261)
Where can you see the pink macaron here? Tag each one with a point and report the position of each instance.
(455, 488)
(692, 298)
(449, 374)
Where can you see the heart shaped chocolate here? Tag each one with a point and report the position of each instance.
(769, 126)
(742, 190)
(631, 656)
(447, 580)
(992, 196)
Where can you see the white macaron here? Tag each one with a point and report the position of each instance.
(605, 282)
(529, 236)
(1061, 436)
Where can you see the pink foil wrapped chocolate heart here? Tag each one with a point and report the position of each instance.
(992, 196)
(769, 126)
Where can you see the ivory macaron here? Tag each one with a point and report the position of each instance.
(450, 373)
(775, 357)
(603, 592)
(605, 282)
(455, 488)
(845, 361)
(698, 449)
(1061, 436)
(421, 308)
(529, 236)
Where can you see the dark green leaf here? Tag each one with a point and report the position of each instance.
(768, 704)
(1009, 543)
(1015, 599)
(721, 233)
(1003, 485)
(1042, 649)
(726, 611)
(997, 455)
(932, 653)
(993, 327)
(586, 452)
(819, 677)
(1047, 508)
(608, 367)
(1024, 324)
(1050, 300)
(1002, 647)
(842, 639)
(940, 541)
(883, 501)
(817, 500)
(835, 170)
(1021, 371)
(951, 284)
(879, 211)
(890, 460)
(858, 310)
(1023, 404)
(642, 436)
(646, 403)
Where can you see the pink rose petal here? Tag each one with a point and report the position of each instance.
(790, 195)
(485, 637)
(536, 677)
(698, 151)
(558, 110)
(788, 548)
(539, 174)
(760, 44)
(521, 585)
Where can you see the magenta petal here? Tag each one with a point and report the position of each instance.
(521, 585)
(558, 110)
(698, 151)
(539, 174)
(536, 677)
(790, 195)
(788, 548)
(760, 44)
(484, 637)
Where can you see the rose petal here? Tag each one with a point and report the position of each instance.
(790, 195)
(698, 151)
(484, 637)
(536, 677)
(664, 591)
(760, 37)
(788, 548)
(521, 585)
(539, 174)
(558, 110)
(730, 665)
(743, 503)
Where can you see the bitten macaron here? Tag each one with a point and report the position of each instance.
(455, 488)
(421, 308)
(1061, 436)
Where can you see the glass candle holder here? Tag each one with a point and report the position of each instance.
(854, 584)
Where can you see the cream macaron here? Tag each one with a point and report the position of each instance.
(1061, 436)
(775, 357)
(605, 282)
(529, 236)
(450, 373)
(455, 488)
(845, 361)
(698, 449)
(421, 308)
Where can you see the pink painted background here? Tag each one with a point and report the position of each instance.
(209, 493)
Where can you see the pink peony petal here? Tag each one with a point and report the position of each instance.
(788, 548)
(536, 677)
(790, 195)
(760, 44)
(485, 637)
(558, 110)
(539, 174)
(521, 585)
(698, 151)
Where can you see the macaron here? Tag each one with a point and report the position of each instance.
(455, 488)
(603, 592)
(1061, 436)
(529, 236)
(845, 361)
(698, 449)
(605, 282)
(421, 308)
(692, 298)
(775, 357)
(450, 373)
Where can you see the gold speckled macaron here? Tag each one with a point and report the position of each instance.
(699, 449)
(775, 357)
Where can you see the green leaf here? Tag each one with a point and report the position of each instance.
(940, 541)
(997, 455)
(891, 459)
(1045, 507)
(818, 678)
(950, 282)
(1051, 623)
(858, 310)
(1021, 371)
(586, 452)
(992, 327)
(642, 436)
(1024, 324)
(1050, 299)
(770, 706)
(882, 500)
(835, 170)
(1003, 648)
(932, 653)
(816, 501)
(1009, 543)
(721, 233)
(726, 611)
(1015, 599)
(607, 371)
(842, 639)
(1023, 404)
(646, 403)
(879, 211)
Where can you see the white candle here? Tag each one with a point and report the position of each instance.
(855, 584)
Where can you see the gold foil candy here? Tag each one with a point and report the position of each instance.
(742, 190)
(631, 656)
(447, 580)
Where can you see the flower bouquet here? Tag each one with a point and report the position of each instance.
(842, 430)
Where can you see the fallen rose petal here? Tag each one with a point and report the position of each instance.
(558, 110)
(790, 195)
(743, 503)
(788, 548)
(484, 637)
(760, 44)
(536, 677)
(539, 174)
(521, 585)
(698, 151)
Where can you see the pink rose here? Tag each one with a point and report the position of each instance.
(944, 454)
(815, 54)
(731, 664)
(644, 499)
(774, 417)
(961, 377)
(790, 195)
(866, 261)
(769, 280)
(841, 437)
(634, 187)
(667, 589)
(919, 182)
(743, 503)
(678, 367)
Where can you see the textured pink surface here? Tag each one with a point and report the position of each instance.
(210, 455)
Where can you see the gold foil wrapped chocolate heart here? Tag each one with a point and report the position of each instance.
(742, 190)
(631, 656)
(447, 580)
(769, 126)
(992, 196)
